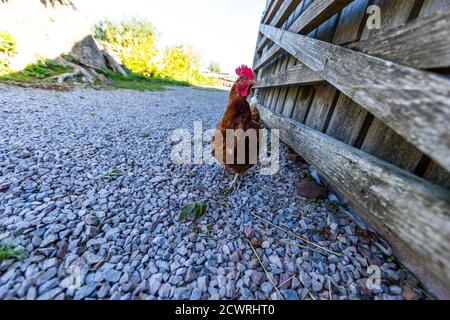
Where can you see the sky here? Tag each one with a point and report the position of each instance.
(220, 30)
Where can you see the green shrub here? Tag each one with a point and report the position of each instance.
(178, 63)
(133, 41)
(7, 44)
(7, 50)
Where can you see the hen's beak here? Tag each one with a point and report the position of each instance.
(254, 82)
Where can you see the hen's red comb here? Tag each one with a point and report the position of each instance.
(245, 71)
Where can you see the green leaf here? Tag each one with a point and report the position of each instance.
(200, 210)
(186, 211)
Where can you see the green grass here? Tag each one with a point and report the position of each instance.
(116, 173)
(140, 83)
(46, 68)
(7, 251)
(42, 69)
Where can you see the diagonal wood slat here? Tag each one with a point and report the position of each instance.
(283, 13)
(423, 44)
(317, 13)
(416, 104)
(272, 11)
(297, 75)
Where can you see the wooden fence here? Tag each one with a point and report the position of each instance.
(370, 108)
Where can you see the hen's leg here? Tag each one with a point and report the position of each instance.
(233, 185)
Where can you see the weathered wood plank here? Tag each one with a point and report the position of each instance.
(347, 120)
(304, 99)
(320, 106)
(272, 11)
(317, 13)
(431, 7)
(438, 175)
(386, 144)
(297, 75)
(413, 214)
(423, 43)
(416, 104)
(323, 101)
(350, 22)
(380, 140)
(393, 14)
(281, 16)
(289, 104)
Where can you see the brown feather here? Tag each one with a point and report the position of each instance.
(238, 115)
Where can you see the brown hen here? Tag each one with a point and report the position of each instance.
(244, 121)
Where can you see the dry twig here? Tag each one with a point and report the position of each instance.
(296, 236)
(265, 270)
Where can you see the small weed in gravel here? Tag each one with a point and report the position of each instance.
(116, 173)
(8, 251)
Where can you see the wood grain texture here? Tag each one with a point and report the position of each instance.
(433, 7)
(386, 144)
(416, 104)
(304, 99)
(296, 75)
(323, 102)
(347, 120)
(438, 175)
(393, 14)
(272, 10)
(423, 43)
(318, 12)
(380, 140)
(286, 9)
(413, 213)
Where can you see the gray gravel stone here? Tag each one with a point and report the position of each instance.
(121, 235)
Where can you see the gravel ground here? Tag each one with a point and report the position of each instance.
(86, 236)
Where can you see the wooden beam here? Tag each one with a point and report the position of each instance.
(416, 104)
(412, 213)
(273, 9)
(317, 13)
(268, 8)
(422, 44)
(297, 75)
(283, 13)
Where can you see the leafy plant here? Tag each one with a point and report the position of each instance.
(7, 43)
(8, 251)
(7, 50)
(116, 173)
(198, 208)
(133, 41)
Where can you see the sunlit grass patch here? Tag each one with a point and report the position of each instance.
(141, 83)
(42, 69)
